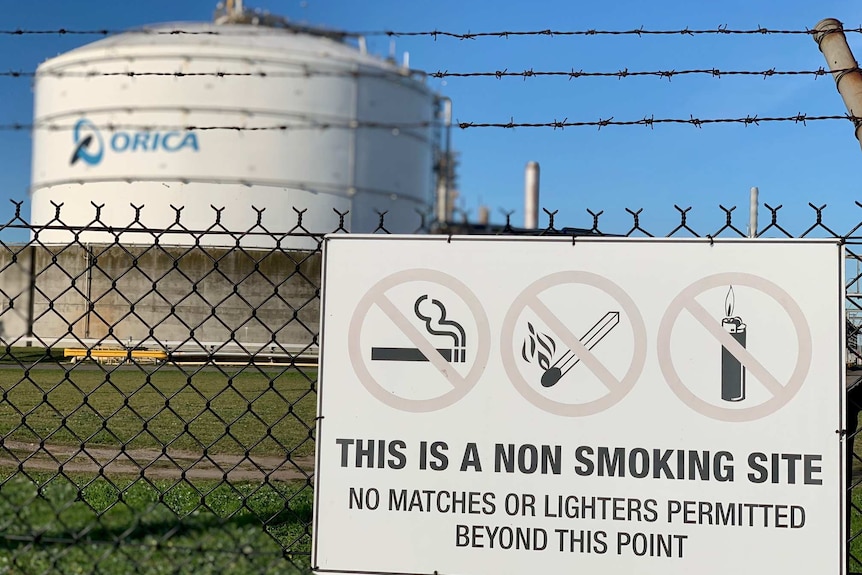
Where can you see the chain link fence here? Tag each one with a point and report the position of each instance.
(159, 391)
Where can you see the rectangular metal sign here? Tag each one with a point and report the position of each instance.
(493, 406)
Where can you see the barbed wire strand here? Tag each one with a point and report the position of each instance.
(722, 30)
(647, 121)
(440, 74)
(626, 73)
(718, 31)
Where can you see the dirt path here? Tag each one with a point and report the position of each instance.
(172, 464)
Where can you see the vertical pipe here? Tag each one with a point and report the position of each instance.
(450, 168)
(352, 167)
(89, 294)
(31, 305)
(531, 196)
(829, 35)
(442, 204)
(444, 181)
(442, 207)
(752, 212)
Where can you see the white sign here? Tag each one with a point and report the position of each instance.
(494, 406)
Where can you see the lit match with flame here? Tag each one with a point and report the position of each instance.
(562, 366)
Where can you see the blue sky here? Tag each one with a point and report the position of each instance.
(608, 170)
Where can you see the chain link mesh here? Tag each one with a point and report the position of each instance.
(159, 391)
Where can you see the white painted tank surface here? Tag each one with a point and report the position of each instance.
(124, 141)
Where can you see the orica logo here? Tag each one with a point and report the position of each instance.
(90, 145)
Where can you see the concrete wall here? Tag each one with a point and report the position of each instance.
(165, 294)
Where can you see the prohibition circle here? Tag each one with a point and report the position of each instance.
(781, 394)
(461, 385)
(617, 389)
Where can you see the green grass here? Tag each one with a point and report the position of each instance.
(231, 412)
(117, 524)
(855, 545)
(95, 525)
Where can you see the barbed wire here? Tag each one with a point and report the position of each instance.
(721, 30)
(304, 73)
(103, 32)
(626, 73)
(651, 121)
(647, 121)
(506, 34)
(439, 74)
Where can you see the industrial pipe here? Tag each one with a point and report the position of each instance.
(752, 212)
(444, 181)
(531, 196)
(829, 35)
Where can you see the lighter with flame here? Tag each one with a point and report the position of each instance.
(732, 370)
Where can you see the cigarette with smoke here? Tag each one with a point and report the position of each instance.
(442, 326)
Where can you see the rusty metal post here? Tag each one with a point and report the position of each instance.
(829, 35)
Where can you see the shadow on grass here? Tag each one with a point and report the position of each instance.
(58, 520)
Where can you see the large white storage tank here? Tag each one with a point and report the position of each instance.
(124, 112)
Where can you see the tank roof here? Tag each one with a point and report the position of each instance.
(235, 36)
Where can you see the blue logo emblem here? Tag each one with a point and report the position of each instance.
(89, 146)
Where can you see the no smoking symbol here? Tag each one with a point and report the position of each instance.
(580, 348)
(382, 382)
(780, 393)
